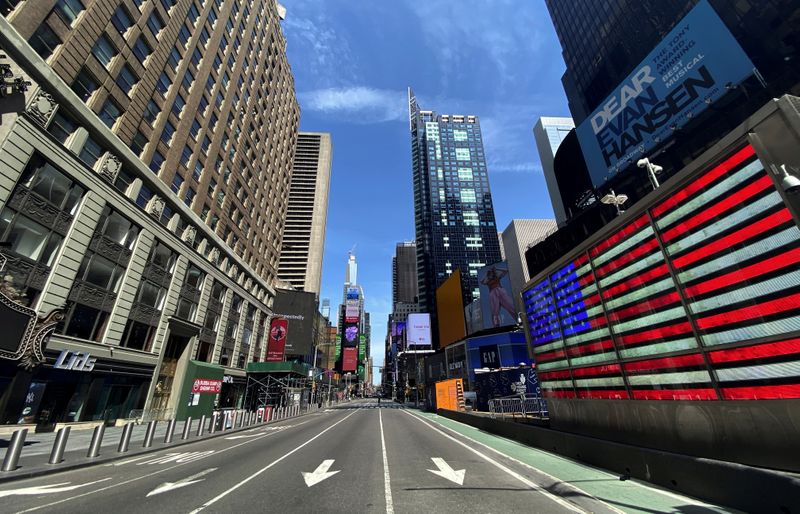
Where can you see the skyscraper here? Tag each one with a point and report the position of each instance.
(517, 237)
(156, 141)
(549, 133)
(453, 213)
(404, 273)
(307, 213)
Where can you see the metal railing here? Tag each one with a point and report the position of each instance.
(518, 406)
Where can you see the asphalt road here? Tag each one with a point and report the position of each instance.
(360, 458)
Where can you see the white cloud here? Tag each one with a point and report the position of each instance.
(357, 103)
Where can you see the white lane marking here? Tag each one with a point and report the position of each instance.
(509, 471)
(46, 489)
(180, 457)
(675, 496)
(169, 486)
(254, 475)
(447, 472)
(387, 484)
(319, 474)
(149, 474)
(127, 461)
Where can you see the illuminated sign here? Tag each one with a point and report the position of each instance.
(349, 359)
(497, 306)
(716, 264)
(418, 331)
(205, 385)
(679, 79)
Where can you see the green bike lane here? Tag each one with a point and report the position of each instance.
(629, 496)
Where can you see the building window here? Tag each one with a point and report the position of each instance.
(151, 112)
(91, 152)
(162, 256)
(198, 170)
(110, 112)
(174, 59)
(177, 182)
(155, 23)
(84, 85)
(44, 41)
(121, 20)
(68, 10)
(465, 174)
(104, 50)
(184, 35)
(145, 194)
(126, 79)
(189, 196)
(195, 129)
(163, 84)
(138, 336)
(62, 126)
(141, 49)
(190, 293)
(138, 143)
(188, 79)
(204, 36)
(178, 105)
(467, 195)
(462, 154)
(186, 156)
(166, 135)
(193, 14)
(196, 57)
(156, 162)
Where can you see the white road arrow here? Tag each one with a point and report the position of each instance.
(319, 474)
(46, 489)
(445, 471)
(169, 486)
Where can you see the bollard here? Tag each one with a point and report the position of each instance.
(97, 440)
(170, 431)
(248, 418)
(14, 450)
(213, 427)
(148, 436)
(239, 419)
(187, 428)
(57, 453)
(125, 440)
(202, 426)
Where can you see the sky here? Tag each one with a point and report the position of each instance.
(353, 60)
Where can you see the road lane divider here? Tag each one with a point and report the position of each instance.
(532, 485)
(228, 491)
(387, 483)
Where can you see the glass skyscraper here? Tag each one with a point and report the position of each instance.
(453, 213)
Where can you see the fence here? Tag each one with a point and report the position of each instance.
(519, 406)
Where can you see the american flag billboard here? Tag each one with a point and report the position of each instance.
(697, 298)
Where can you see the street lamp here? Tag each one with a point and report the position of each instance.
(652, 170)
(616, 200)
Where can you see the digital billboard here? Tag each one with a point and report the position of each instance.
(349, 359)
(299, 308)
(352, 311)
(497, 306)
(276, 345)
(399, 335)
(713, 265)
(350, 335)
(418, 332)
(450, 310)
(693, 66)
(362, 348)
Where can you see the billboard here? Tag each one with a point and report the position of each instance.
(352, 311)
(450, 310)
(473, 317)
(276, 345)
(350, 335)
(679, 79)
(497, 306)
(349, 359)
(398, 335)
(418, 334)
(352, 293)
(362, 348)
(299, 308)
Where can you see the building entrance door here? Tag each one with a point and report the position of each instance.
(176, 346)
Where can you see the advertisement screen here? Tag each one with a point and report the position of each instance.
(351, 311)
(352, 293)
(398, 335)
(450, 309)
(299, 309)
(679, 79)
(362, 348)
(497, 305)
(418, 336)
(350, 335)
(276, 346)
(349, 359)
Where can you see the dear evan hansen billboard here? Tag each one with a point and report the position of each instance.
(682, 76)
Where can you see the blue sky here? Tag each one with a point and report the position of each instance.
(352, 61)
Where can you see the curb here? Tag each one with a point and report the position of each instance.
(49, 469)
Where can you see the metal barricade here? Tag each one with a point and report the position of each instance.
(527, 406)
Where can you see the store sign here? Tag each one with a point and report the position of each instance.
(206, 385)
(490, 356)
(277, 339)
(691, 68)
(75, 361)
